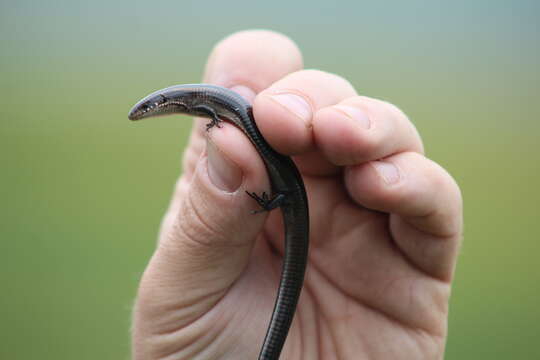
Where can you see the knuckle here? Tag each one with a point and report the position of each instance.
(396, 112)
(449, 205)
(322, 77)
(400, 123)
(443, 180)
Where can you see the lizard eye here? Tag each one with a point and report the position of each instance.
(145, 107)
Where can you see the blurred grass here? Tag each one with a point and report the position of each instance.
(83, 189)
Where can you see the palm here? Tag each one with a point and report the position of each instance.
(360, 291)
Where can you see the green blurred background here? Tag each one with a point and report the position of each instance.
(83, 189)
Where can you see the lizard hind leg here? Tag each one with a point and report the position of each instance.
(265, 202)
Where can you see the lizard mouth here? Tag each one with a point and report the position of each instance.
(142, 110)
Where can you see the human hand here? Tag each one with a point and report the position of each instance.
(386, 224)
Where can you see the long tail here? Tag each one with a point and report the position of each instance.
(290, 286)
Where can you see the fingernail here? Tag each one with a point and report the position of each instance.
(355, 114)
(223, 173)
(295, 104)
(245, 91)
(388, 171)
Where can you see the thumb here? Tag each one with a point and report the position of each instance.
(207, 240)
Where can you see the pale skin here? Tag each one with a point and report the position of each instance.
(386, 224)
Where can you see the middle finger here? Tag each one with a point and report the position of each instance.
(361, 129)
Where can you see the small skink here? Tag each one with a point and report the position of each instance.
(288, 192)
